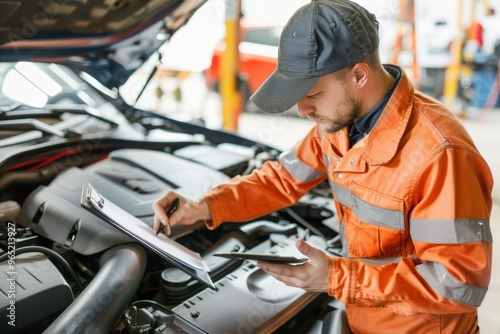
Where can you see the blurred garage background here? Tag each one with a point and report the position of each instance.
(210, 80)
(426, 37)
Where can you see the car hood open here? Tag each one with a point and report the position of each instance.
(107, 39)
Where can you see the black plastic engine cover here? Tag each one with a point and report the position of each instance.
(34, 292)
(131, 178)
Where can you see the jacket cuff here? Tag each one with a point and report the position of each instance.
(342, 279)
(332, 277)
(217, 208)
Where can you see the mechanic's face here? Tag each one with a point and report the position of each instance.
(329, 104)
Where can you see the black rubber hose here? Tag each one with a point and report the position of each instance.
(8, 179)
(99, 307)
(51, 254)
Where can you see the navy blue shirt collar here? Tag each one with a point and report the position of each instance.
(362, 126)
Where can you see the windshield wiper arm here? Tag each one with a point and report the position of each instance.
(13, 106)
(54, 110)
(28, 113)
(78, 109)
(34, 124)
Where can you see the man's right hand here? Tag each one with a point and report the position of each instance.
(188, 212)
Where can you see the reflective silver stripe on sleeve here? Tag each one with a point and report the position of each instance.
(448, 286)
(450, 231)
(297, 168)
(367, 212)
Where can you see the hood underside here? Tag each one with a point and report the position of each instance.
(111, 37)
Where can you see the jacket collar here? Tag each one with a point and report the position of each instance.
(383, 140)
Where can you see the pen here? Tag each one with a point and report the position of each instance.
(170, 211)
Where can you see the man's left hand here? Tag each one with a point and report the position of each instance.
(311, 276)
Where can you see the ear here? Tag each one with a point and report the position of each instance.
(361, 72)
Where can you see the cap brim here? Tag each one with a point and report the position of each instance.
(279, 93)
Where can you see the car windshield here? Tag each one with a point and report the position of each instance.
(266, 36)
(46, 99)
(41, 84)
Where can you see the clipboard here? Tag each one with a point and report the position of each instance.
(181, 257)
(272, 258)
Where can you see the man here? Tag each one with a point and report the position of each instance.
(412, 193)
(480, 53)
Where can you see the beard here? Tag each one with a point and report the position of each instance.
(347, 112)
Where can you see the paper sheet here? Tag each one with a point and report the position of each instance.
(141, 230)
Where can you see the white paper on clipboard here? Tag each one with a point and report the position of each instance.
(140, 231)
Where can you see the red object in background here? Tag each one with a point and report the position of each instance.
(476, 33)
(258, 52)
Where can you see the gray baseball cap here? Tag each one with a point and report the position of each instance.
(322, 37)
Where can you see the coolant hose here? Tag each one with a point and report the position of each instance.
(99, 307)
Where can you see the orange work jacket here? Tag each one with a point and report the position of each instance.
(413, 200)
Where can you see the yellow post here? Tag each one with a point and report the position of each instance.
(231, 104)
(406, 29)
(452, 73)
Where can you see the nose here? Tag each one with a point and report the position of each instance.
(304, 109)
